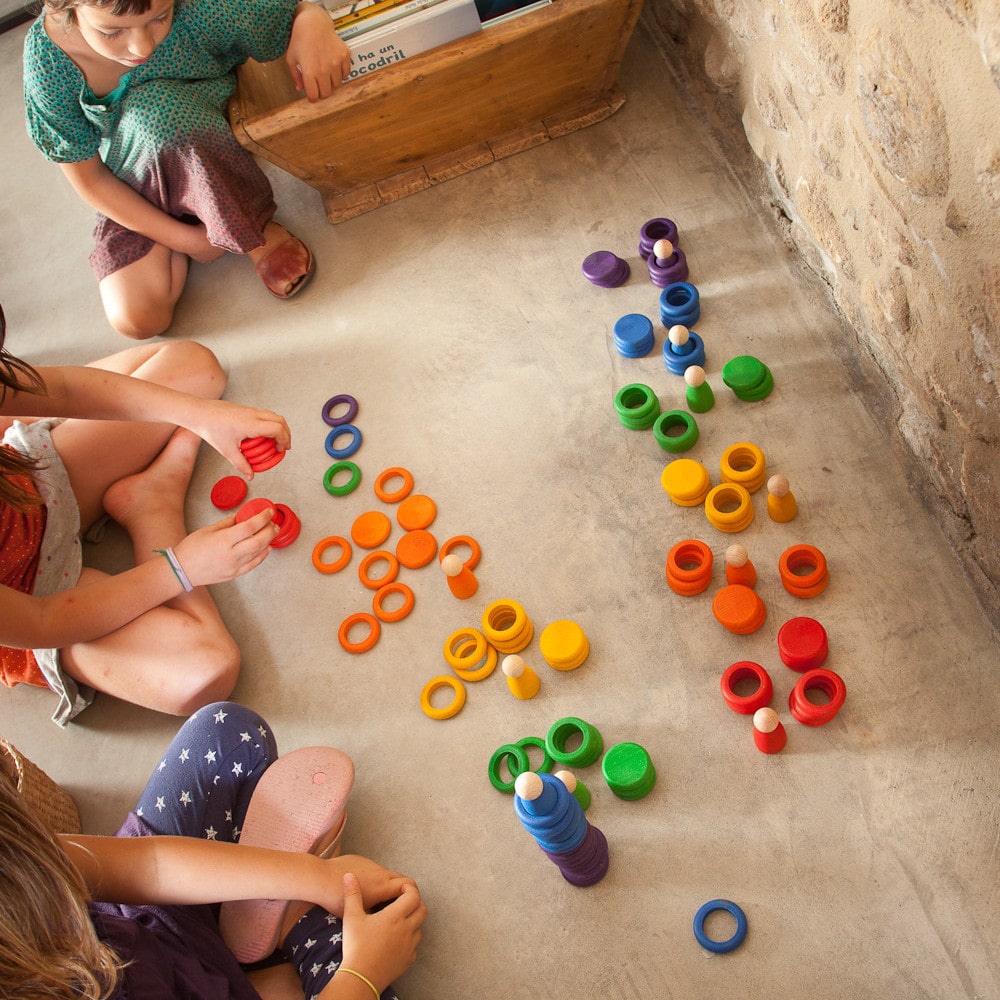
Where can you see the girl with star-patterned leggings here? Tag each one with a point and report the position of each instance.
(150, 892)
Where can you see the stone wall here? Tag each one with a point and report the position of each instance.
(875, 138)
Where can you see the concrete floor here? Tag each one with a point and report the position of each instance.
(865, 855)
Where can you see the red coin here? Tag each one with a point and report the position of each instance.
(252, 507)
(229, 492)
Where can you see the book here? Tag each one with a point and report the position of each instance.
(345, 14)
(495, 11)
(399, 10)
(409, 36)
(509, 14)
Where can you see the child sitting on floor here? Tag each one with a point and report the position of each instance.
(105, 918)
(150, 635)
(129, 97)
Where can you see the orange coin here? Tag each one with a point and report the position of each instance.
(416, 548)
(739, 609)
(416, 511)
(371, 529)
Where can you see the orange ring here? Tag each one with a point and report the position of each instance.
(803, 557)
(396, 472)
(325, 543)
(373, 583)
(400, 613)
(476, 552)
(368, 641)
(371, 529)
(416, 548)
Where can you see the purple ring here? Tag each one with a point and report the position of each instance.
(333, 401)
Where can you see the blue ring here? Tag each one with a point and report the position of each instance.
(339, 431)
(720, 947)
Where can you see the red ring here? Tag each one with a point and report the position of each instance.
(823, 680)
(379, 555)
(395, 472)
(475, 551)
(400, 613)
(368, 641)
(746, 704)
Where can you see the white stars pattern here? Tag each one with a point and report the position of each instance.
(220, 716)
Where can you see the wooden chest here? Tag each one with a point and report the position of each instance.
(444, 112)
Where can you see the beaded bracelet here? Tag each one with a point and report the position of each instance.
(363, 979)
(175, 565)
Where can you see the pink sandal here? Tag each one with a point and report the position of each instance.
(286, 270)
(299, 804)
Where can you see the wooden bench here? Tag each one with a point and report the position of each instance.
(444, 112)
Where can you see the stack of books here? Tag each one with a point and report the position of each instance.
(382, 32)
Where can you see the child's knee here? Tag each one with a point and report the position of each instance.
(203, 679)
(195, 369)
(139, 322)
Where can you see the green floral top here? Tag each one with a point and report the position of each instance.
(207, 41)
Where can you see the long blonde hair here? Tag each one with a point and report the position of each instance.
(49, 949)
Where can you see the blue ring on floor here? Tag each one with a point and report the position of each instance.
(332, 403)
(720, 947)
(339, 431)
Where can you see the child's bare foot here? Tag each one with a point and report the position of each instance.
(283, 263)
(160, 489)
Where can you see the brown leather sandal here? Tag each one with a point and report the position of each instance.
(286, 270)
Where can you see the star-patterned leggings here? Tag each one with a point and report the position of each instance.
(202, 788)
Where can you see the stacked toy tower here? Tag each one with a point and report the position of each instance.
(549, 812)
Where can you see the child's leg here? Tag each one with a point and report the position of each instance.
(140, 298)
(180, 655)
(203, 784)
(127, 447)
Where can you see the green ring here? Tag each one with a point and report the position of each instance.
(640, 416)
(585, 754)
(520, 758)
(675, 442)
(349, 487)
(536, 741)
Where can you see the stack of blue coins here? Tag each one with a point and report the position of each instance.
(633, 335)
(605, 269)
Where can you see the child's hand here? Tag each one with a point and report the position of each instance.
(226, 549)
(378, 884)
(225, 425)
(194, 242)
(317, 56)
(381, 945)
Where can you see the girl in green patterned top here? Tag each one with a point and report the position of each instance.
(129, 98)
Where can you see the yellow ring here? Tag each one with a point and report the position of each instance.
(459, 656)
(453, 708)
(506, 626)
(484, 670)
(753, 471)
